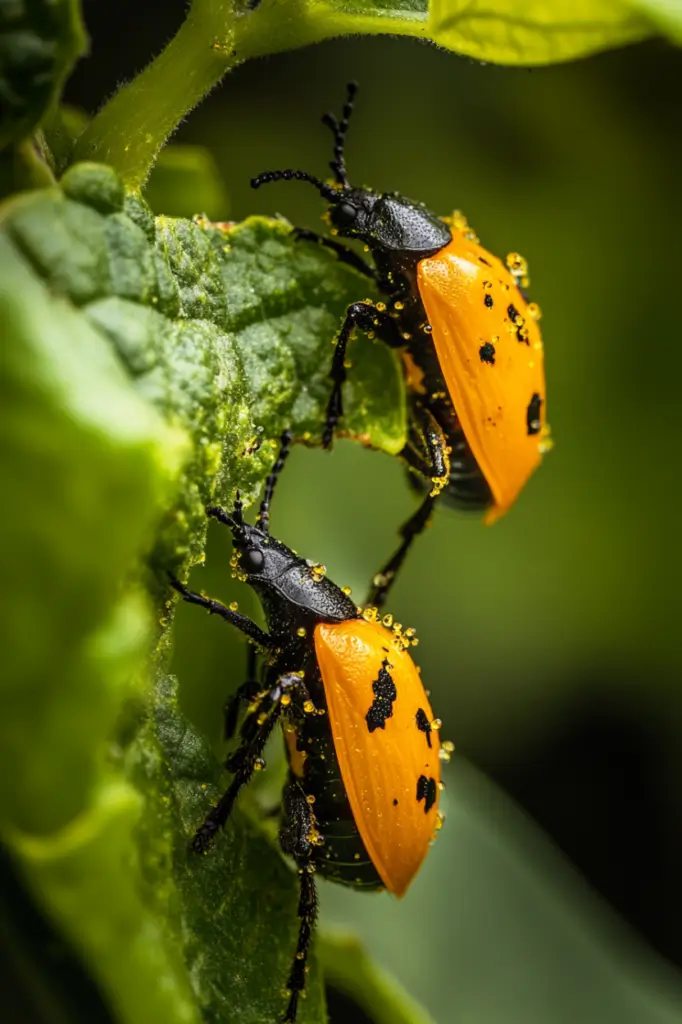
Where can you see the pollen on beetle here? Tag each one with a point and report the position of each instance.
(233, 606)
(310, 798)
(318, 572)
(301, 631)
(398, 305)
(347, 591)
(427, 328)
(369, 613)
(446, 751)
(436, 724)
(381, 306)
(534, 311)
(258, 764)
(406, 336)
(308, 707)
(517, 266)
(387, 621)
(440, 819)
(285, 701)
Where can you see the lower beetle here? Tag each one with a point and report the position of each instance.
(360, 805)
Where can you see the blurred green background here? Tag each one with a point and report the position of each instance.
(550, 642)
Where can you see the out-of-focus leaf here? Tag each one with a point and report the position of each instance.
(184, 181)
(347, 968)
(39, 42)
(86, 468)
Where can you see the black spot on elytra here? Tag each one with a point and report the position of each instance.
(395, 801)
(513, 313)
(384, 695)
(423, 724)
(522, 335)
(426, 791)
(488, 300)
(485, 261)
(487, 353)
(533, 423)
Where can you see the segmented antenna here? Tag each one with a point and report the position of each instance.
(263, 517)
(339, 129)
(326, 191)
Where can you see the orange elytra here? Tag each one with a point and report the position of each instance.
(489, 350)
(391, 773)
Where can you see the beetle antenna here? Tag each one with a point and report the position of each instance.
(263, 517)
(327, 192)
(340, 129)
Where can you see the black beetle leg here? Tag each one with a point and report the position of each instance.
(298, 837)
(367, 317)
(343, 253)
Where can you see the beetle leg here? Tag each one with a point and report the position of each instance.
(367, 317)
(298, 837)
(343, 253)
(244, 624)
(255, 730)
(435, 464)
(385, 578)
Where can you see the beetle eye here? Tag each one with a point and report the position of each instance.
(344, 215)
(252, 560)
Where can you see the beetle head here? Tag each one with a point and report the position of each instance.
(386, 222)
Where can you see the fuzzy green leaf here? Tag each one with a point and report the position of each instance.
(114, 323)
(39, 42)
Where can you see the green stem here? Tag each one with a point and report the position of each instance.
(132, 127)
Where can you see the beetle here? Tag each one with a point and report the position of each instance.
(468, 336)
(360, 805)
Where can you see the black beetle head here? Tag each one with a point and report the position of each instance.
(292, 590)
(386, 222)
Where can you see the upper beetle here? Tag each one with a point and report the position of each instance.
(468, 336)
(360, 805)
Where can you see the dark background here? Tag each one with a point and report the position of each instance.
(551, 641)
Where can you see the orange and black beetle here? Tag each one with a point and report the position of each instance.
(361, 801)
(469, 339)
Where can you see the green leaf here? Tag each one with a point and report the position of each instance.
(148, 366)
(533, 31)
(39, 42)
(186, 180)
(347, 968)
